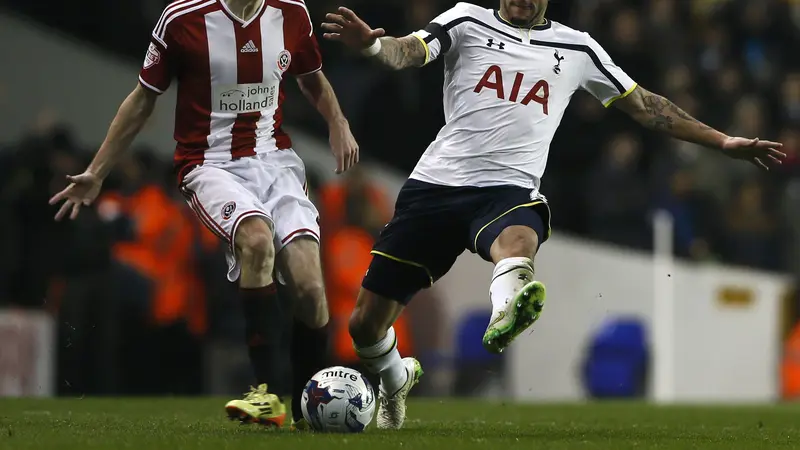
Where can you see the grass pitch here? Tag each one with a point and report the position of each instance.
(174, 423)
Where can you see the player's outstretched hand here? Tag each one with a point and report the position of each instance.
(344, 147)
(83, 189)
(347, 28)
(764, 154)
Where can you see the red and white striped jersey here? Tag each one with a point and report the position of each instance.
(229, 74)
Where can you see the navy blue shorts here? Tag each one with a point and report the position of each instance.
(433, 224)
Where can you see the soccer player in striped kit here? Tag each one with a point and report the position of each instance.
(236, 166)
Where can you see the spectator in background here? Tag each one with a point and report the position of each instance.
(749, 115)
(630, 47)
(582, 128)
(663, 31)
(790, 96)
(750, 230)
(355, 200)
(34, 249)
(161, 296)
(759, 38)
(58, 267)
(618, 207)
(726, 86)
(691, 212)
(791, 137)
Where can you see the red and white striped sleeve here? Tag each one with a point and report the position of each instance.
(158, 68)
(306, 58)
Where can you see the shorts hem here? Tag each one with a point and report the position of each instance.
(301, 232)
(405, 261)
(245, 215)
(478, 234)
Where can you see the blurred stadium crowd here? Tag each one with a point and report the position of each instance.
(139, 255)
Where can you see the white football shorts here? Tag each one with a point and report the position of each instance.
(270, 185)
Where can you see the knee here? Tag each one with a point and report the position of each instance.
(515, 241)
(364, 331)
(254, 244)
(311, 296)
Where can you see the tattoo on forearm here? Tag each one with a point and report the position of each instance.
(401, 53)
(665, 115)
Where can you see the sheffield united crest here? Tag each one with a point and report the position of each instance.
(284, 60)
(228, 209)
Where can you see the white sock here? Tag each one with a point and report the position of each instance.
(383, 359)
(509, 276)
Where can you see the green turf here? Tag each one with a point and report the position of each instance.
(167, 423)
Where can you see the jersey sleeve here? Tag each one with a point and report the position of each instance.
(158, 68)
(306, 58)
(442, 35)
(602, 78)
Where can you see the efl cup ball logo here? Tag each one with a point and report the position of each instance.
(228, 210)
(284, 60)
(153, 56)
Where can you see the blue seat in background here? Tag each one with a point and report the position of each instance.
(617, 358)
(469, 339)
(478, 372)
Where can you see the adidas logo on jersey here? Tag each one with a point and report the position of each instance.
(250, 47)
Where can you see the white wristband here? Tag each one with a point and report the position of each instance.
(373, 49)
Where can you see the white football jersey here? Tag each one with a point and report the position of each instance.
(505, 91)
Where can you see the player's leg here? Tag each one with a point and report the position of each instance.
(232, 212)
(300, 266)
(511, 241)
(388, 286)
(416, 248)
(255, 251)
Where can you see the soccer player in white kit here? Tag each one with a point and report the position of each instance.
(237, 169)
(509, 76)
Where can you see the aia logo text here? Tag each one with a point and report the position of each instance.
(493, 80)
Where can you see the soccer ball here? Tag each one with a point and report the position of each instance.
(338, 400)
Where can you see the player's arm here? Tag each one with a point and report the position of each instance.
(154, 79)
(401, 53)
(319, 92)
(307, 67)
(658, 113)
(129, 121)
(394, 53)
(84, 188)
(611, 85)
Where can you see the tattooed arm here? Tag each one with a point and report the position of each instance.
(401, 53)
(658, 113)
(395, 53)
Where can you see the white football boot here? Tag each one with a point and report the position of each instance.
(392, 410)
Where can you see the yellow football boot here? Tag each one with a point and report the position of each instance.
(258, 406)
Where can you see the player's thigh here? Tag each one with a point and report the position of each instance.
(299, 264)
(514, 225)
(222, 203)
(286, 200)
(413, 251)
